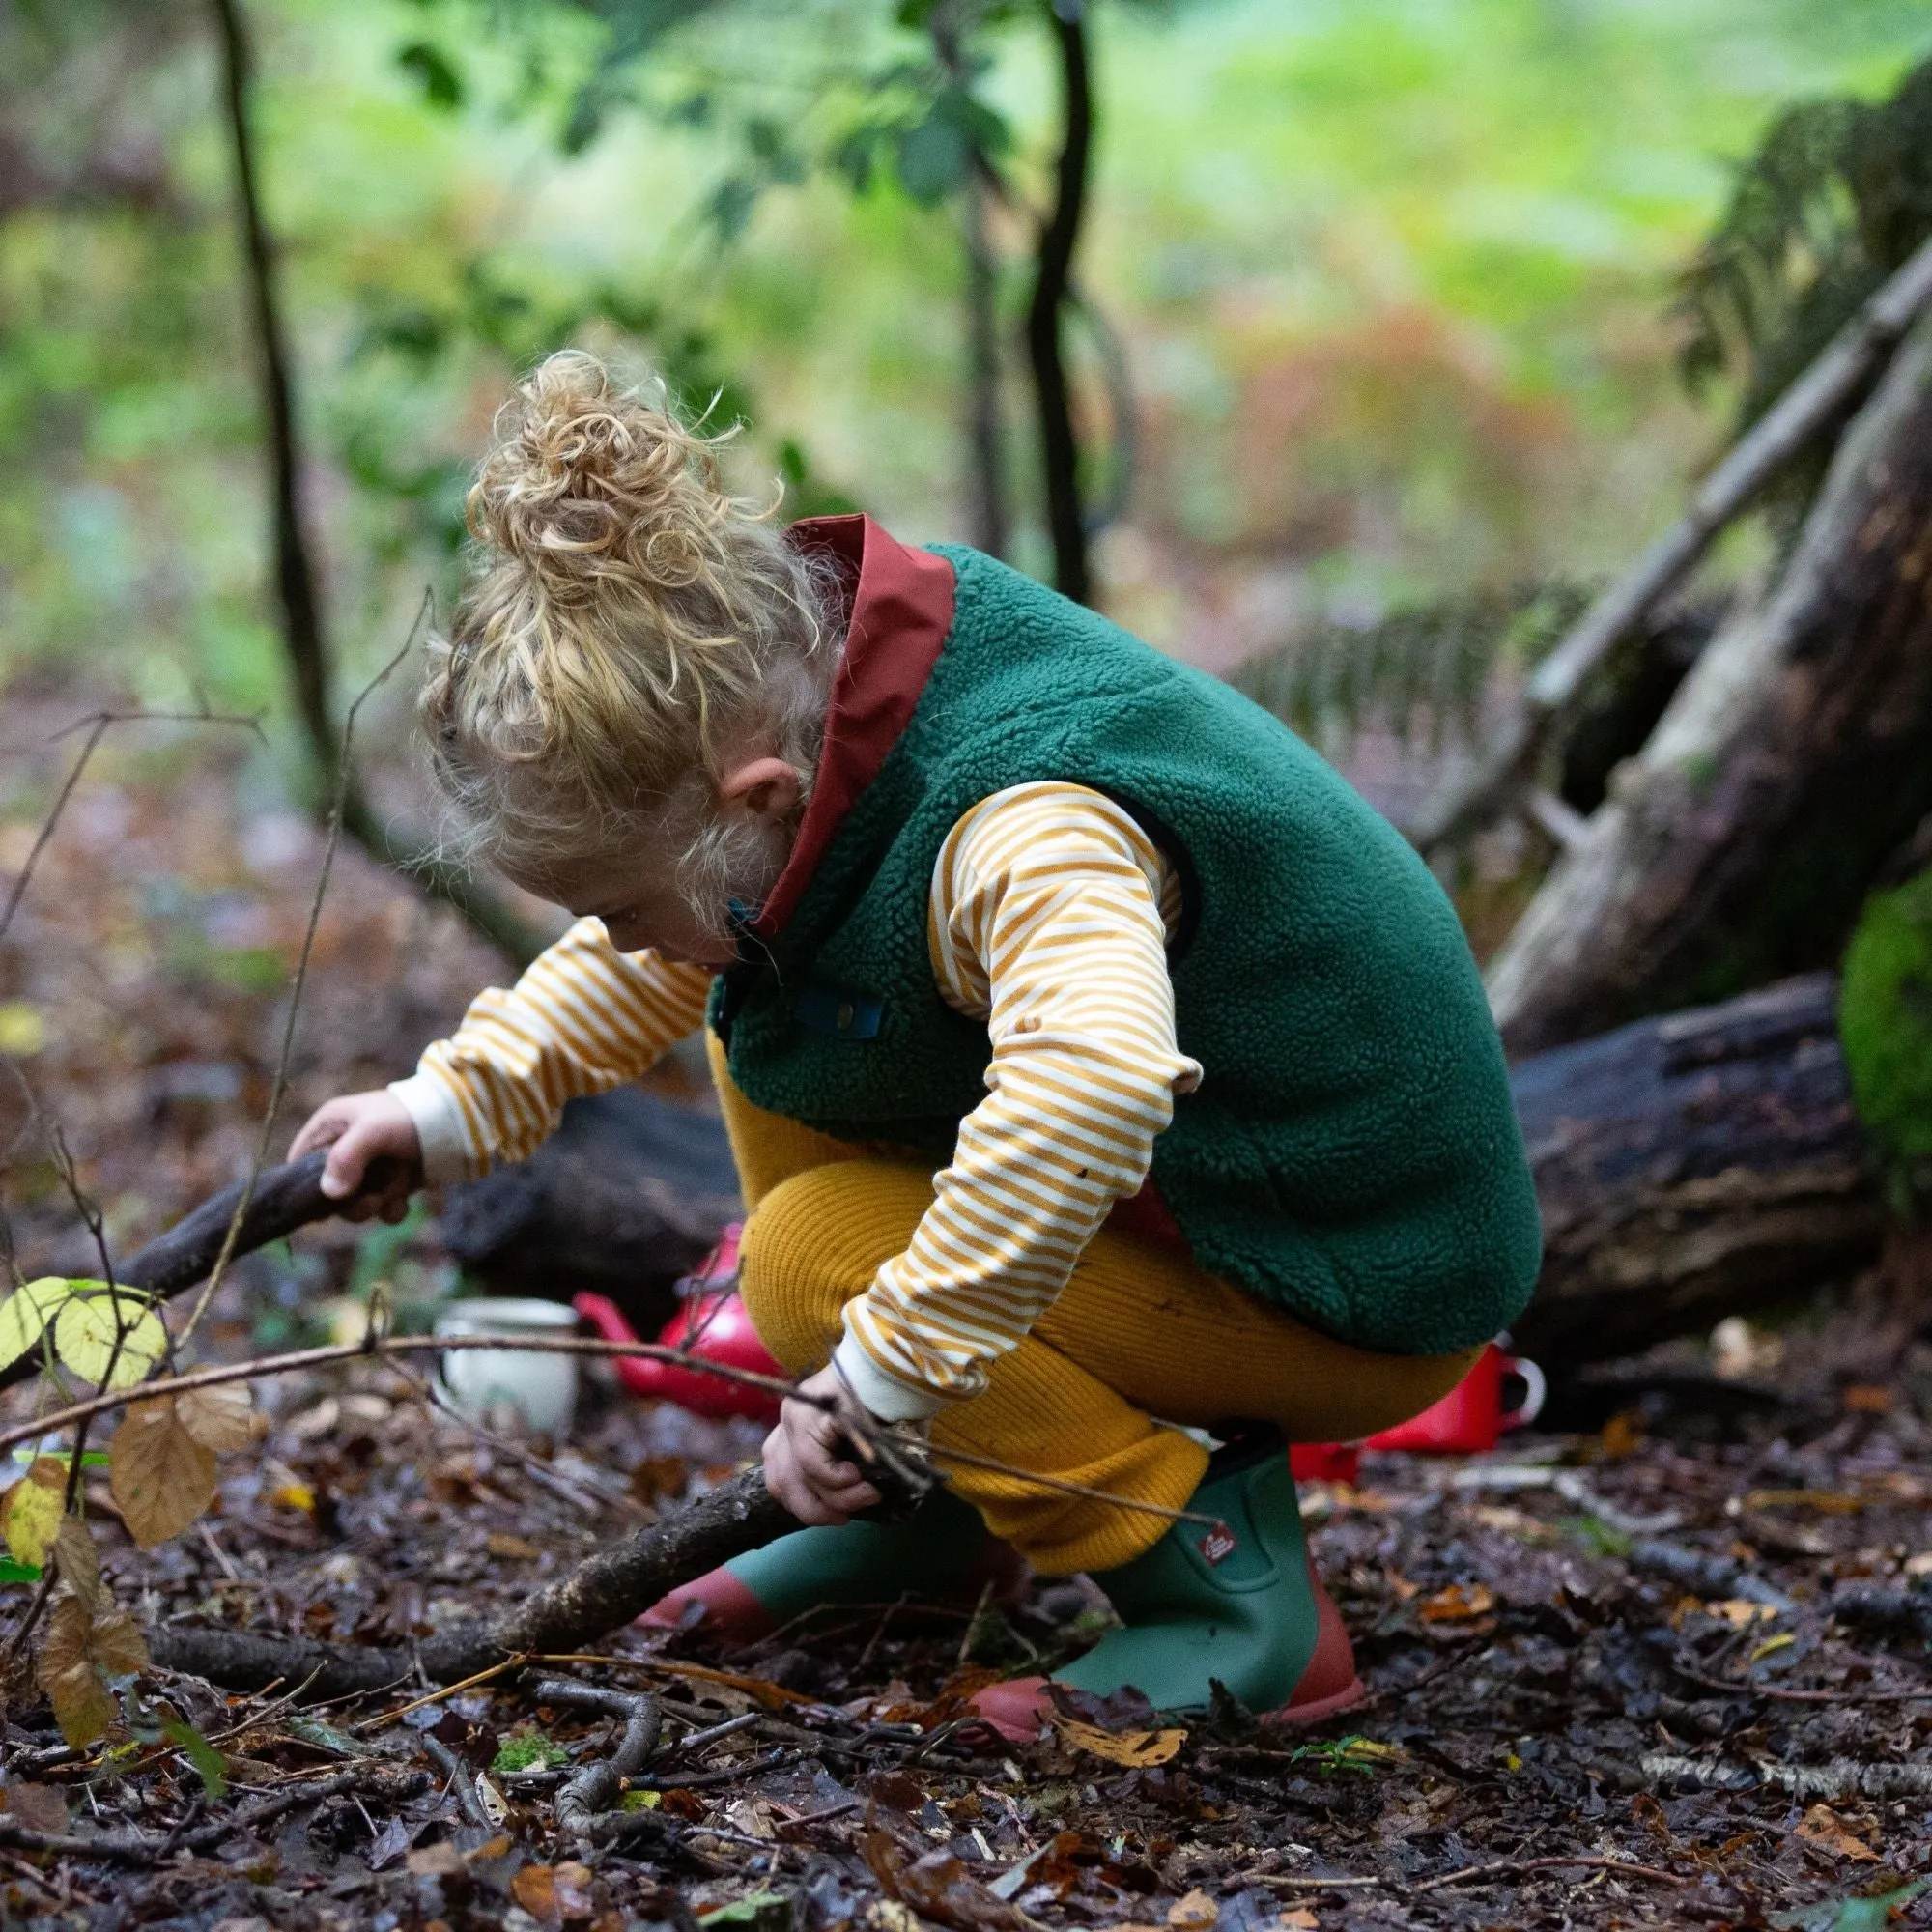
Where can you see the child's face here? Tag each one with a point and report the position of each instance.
(640, 904)
(752, 817)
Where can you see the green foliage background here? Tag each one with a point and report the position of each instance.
(1393, 276)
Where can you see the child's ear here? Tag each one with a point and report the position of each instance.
(766, 789)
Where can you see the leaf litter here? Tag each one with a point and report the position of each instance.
(1568, 1721)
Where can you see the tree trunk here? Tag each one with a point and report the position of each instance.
(1060, 448)
(1692, 1167)
(1740, 844)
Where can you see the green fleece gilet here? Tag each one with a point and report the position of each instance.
(1351, 1153)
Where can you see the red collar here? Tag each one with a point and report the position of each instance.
(901, 610)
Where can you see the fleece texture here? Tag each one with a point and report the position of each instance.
(1352, 1154)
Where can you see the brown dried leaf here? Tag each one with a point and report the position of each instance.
(1822, 1827)
(1457, 1604)
(161, 1477)
(1196, 1912)
(534, 1889)
(117, 1644)
(938, 1886)
(1133, 1748)
(38, 1806)
(1300, 1920)
(30, 1512)
(221, 1418)
(80, 1564)
(82, 1707)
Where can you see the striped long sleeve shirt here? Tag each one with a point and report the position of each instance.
(1049, 920)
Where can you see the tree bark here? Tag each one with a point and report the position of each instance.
(1701, 1165)
(1739, 842)
(1060, 448)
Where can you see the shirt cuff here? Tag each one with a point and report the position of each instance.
(885, 1396)
(439, 1124)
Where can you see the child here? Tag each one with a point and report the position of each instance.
(1099, 1068)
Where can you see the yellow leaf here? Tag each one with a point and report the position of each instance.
(86, 1330)
(79, 1563)
(220, 1418)
(161, 1478)
(82, 1707)
(31, 1511)
(22, 1030)
(24, 1314)
(1137, 1748)
(1782, 1642)
(295, 1496)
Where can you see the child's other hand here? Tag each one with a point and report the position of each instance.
(806, 1465)
(357, 1128)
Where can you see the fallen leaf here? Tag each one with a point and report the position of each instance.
(222, 1418)
(1822, 1827)
(1195, 1913)
(79, 1563)
(500, 1542)
(81, 1705)
(938, 1886)
(1740, 1612)
(1300, 1920)
(496, 1807)
(1782, 1642)
(294, 1496)
(1134, 1748)
(161, 1478)
(24, 1314)
(1457, 1604)
(38, 1806)
(114, 1340)
(439, 1860)
(534, 1889)
(31, 1511)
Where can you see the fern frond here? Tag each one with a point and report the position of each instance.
(1421, 667)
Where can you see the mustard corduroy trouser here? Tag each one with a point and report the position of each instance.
(1139, 1331)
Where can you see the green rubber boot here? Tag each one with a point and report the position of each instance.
(942, 1550)
(1243, 1607)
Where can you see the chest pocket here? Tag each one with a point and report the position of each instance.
(836, 1014)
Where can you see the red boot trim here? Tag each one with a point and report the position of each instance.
(730, 1608)
(1329, 1682)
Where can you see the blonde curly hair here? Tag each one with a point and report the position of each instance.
(628, 622)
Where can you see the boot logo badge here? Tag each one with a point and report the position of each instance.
(1219, 1544)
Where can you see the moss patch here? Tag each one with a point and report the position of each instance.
(1885, 1019)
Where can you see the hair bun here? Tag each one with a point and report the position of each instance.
(584, 480)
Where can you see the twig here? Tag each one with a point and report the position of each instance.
(1782, 1695)
(97, 725)
(1061, 1487)
(278, 1086)
(583, 1800)
(436, 1696)
(700, 1781)
(590, 1501)
(307, 1793)
(461, 1782)
(1482, 1874)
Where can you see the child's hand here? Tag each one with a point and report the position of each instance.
(804, 1462)
(357, 1128)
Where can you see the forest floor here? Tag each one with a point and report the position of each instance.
(1672, 1668)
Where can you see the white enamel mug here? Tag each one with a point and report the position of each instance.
(542, 1388)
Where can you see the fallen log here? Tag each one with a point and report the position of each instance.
(1705, 1164)
(1740, 844)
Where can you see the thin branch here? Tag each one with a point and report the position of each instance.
(1059, 236)
(1783, 432)
(278, 1087)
